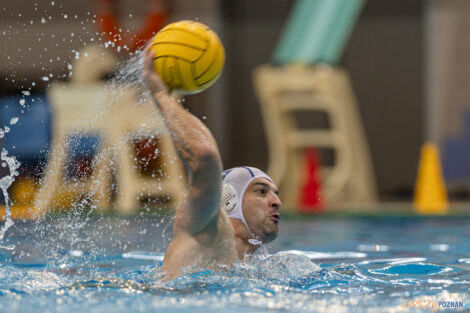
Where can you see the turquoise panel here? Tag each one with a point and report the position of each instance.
(317, 31)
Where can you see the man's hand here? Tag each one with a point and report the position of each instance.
(154, 82)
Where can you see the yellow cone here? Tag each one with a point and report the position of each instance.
(430, 192)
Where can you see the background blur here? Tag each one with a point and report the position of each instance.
(408, 62)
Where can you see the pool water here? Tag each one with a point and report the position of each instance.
(78, 263)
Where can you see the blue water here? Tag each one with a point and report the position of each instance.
(75, 263)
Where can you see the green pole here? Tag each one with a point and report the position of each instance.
(339, 34)
(317, 31)
(292, 36)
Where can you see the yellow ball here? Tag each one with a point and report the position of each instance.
(188, 56)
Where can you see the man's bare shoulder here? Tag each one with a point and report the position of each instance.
(212, 247)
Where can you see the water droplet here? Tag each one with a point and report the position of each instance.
(43, 20)
(52, 3)
(66, 16)
(45, 78)
(13, 121)
(69, 66)
(26, 92)
(22, 102)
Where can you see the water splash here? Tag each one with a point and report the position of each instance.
(5, 183)
(48, 68)
(129, 73)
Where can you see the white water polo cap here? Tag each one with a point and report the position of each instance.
(235, 181)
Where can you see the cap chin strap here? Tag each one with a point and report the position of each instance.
(262, 247)
(255, 242)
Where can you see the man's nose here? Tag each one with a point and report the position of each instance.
(275, 201)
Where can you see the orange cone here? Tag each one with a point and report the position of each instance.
(311, 199)
(430, 191)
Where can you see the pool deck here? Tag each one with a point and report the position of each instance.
(382, 210)
(377, 210)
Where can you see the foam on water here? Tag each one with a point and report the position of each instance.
(283, 282)
(111, 264)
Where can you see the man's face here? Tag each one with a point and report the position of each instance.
(260, 207)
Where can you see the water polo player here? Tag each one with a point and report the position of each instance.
(224, 216)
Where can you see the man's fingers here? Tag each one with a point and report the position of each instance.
(148, 59)
(149, 56)
(153, 80)
(146, 49)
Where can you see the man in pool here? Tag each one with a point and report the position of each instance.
(210, 233)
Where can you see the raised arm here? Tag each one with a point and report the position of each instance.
(197, 150)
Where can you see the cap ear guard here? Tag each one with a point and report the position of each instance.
(229, 199)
